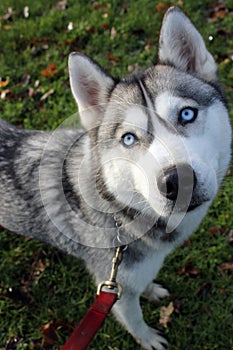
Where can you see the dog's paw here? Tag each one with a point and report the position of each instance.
(155, 292)
(152, 340)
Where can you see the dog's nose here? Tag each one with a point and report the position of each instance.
(181, 177)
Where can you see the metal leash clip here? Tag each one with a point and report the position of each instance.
(112, 283)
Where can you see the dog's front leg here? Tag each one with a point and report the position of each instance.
(128, 312)
(154, 292)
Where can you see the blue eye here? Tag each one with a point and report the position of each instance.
(129, 139)
(187, 115)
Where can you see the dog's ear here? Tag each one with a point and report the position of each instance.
(90, 86)
(183, 47)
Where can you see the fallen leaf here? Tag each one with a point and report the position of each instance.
(165, 314)
(97, 6)
(148, 45)
(113, 33)
(50, 71)
(162, 7)
(218, 11)
(133, 67)
(8, 14)
(31, 92)
(189, 269)
(186, 243)
(4, 83)
(61, 5)
(4, 93)
(42, 266)
(47, 94)
(105, 26)
(112, 58)
(217, 231)
(227, 266)
(49, 333)
(105, 15)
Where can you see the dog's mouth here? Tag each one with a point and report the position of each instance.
(196, 202)
(184, 206)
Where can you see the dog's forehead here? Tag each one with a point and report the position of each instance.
(135, 115)
(160, 79)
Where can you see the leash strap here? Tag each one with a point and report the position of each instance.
(91, 322)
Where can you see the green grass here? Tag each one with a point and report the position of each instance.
(41, 286)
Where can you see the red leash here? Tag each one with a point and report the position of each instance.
(92, 321)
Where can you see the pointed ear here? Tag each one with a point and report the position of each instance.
(182, 46)
(90, 86)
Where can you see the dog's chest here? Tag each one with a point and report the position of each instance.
(139, 274)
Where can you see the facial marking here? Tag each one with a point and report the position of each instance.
(168, 106)
(136, 117)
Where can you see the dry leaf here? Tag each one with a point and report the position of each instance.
(226, 266)
(50, 71)
(42, 266)
(162, 7)
(49, 333)
(8, 14)
(105, 26)
(165, 314)
(98, 6)
(4, 83)
(133, 67)
(4, 93)
(148, 45)
(186, 243)
(47, 94)
(113, 33)
(61, 5)
(217, 231)
(105, 15)
(189, 269)
(219, 10)
(31, 92)
(112, 58)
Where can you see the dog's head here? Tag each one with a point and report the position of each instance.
(162, 137)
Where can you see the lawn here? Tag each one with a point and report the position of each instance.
(43, 293)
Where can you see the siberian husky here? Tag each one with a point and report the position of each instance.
(142, 172)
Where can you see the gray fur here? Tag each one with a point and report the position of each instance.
(69, 187)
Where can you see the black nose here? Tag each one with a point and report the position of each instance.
(171, 178)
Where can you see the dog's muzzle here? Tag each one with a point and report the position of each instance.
(180, 183)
